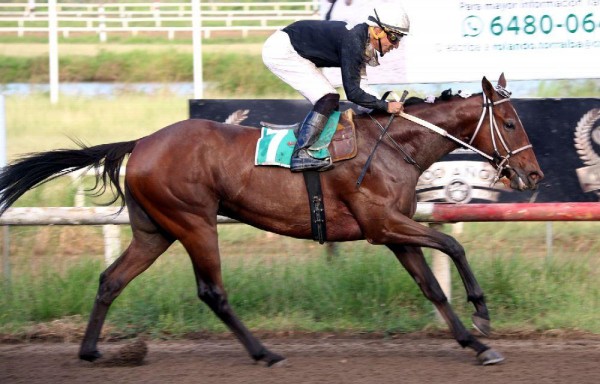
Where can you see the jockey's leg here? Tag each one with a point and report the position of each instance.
(309, 133)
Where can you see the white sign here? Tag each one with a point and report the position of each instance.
(462, 41)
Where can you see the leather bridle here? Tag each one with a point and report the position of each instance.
(498, 161)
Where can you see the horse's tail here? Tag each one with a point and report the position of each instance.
(36, 169)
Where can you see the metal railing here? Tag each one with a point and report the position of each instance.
(170, 18)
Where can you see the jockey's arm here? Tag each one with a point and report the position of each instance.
(352, 65)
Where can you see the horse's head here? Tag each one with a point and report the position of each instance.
(501, 135)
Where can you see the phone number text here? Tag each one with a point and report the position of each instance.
(530, 25)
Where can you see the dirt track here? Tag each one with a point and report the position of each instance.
(402, 360)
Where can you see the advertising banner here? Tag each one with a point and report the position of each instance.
(464, 40)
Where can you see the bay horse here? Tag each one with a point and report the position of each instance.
(178, 179)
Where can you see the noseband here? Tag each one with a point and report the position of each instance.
(500, 162)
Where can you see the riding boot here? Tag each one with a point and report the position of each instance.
(308, 134)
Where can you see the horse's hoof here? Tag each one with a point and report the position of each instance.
(278, 364)
(271, 359)
(489, 357)
(90, 356)
(274, 360)
(482, 325)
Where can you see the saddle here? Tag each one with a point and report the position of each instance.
(343, 144)
(278, 150)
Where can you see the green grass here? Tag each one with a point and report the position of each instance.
(235, 66)
(34, 124)
(234, 75)
(362, 290)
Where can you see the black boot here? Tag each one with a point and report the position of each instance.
(307, 135)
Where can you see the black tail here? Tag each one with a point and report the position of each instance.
(35, 169)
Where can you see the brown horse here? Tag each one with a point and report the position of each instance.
(181, 177)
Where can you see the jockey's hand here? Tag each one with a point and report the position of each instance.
(395, 107)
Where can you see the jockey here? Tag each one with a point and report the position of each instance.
(296, 53)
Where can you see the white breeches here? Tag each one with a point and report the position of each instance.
(281, 58)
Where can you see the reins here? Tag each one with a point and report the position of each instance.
(445, 133)
(407, 157)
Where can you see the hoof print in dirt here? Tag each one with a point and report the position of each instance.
(132, 354)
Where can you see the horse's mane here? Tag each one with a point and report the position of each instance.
(444, 96)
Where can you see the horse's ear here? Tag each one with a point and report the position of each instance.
(502, 80)
(488, 88)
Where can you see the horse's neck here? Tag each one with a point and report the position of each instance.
(457, 117)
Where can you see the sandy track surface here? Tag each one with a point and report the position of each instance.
(401, 360)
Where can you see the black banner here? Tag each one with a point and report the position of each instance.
(565, 134)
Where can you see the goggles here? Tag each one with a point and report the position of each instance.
(393, 37)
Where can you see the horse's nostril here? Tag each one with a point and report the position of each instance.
(536, 177)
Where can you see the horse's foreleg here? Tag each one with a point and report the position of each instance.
(203, 250)
(412, 259)
(481, 317)
(413, 233)
(141, 253)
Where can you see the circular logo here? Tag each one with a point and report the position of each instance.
(458, 191)
(587, 141)
(472, 26)
(587, 137)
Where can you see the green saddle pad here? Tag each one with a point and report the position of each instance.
(275, 146)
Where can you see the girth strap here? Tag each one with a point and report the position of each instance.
(312, 180)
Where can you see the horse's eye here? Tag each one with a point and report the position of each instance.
(509, 124)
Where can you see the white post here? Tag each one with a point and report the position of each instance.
(440, 264)
(197, 46)
(156, 12)
(53, 50)
(112, 243)
(102, 25)
(21, 30)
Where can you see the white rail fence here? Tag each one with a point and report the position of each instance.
(112, 217)
(156, 17)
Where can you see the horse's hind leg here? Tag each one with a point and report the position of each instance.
(147, 245)
(412, 259)
(204, 253)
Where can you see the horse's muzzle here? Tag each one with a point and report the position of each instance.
(522, 180)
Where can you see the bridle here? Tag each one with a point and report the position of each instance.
(500, 162)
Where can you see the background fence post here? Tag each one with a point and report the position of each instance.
(440, 264)
(112, 243)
